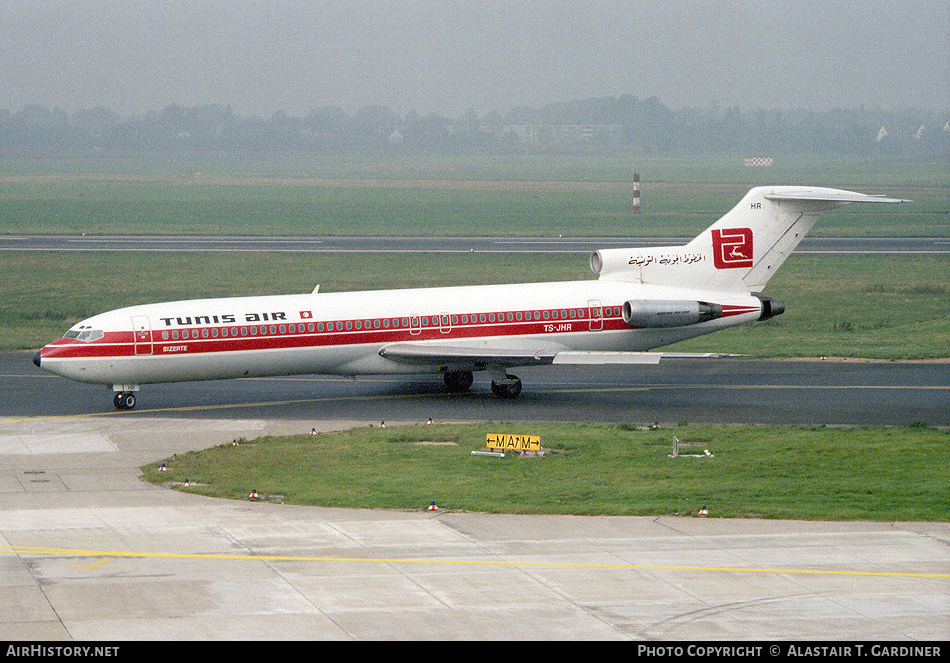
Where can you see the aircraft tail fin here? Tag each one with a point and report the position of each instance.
(738, 253)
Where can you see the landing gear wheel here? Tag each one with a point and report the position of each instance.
(458, 381)
(124, 400)
(509, 388)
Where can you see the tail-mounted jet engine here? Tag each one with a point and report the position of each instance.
(656, 313)
(770, 307)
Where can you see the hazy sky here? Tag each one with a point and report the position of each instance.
(258, 56)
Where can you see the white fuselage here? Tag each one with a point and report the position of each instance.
(343, 333)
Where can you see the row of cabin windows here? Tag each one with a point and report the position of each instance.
(379, 323)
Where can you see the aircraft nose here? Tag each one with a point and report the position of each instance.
(36, 359)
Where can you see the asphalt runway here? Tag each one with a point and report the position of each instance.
(90, 552)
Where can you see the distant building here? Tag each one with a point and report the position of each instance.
(557, 134)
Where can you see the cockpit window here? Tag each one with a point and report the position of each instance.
(85, 335)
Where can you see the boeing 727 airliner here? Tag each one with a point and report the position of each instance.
(642, 299)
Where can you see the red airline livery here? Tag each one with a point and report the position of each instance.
(643, 299)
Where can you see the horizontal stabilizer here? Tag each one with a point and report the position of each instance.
(830, 196)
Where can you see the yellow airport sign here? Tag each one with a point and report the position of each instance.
(513, 442)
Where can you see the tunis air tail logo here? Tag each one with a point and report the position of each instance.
(732, 248)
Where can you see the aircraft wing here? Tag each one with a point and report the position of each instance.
(451, 354)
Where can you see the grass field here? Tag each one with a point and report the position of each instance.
(443, 195)
(754, 472)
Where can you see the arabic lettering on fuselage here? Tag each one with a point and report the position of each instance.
(675, 259)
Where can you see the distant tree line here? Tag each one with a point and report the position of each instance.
(611, 123)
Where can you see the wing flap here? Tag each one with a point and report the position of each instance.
(601, 358)
(444, 353)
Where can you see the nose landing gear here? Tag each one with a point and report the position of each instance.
(124, 398)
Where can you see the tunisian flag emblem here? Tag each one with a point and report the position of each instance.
(305, 315)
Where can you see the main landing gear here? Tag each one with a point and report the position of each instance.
(458, 381)
(509, 387)
(503, 385)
